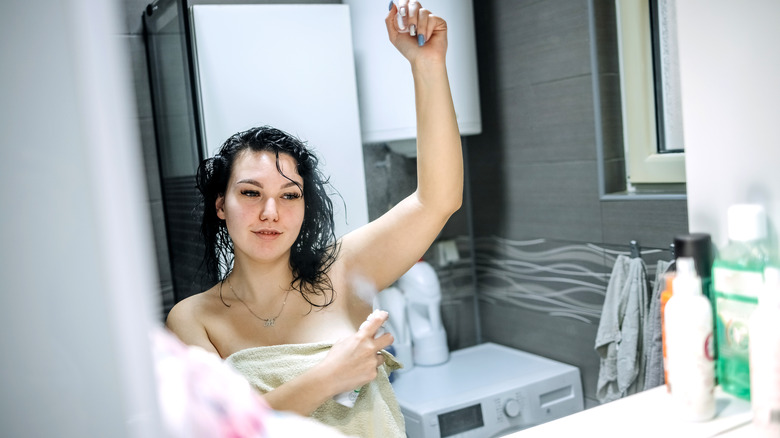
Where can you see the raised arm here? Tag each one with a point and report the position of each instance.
(387, 247)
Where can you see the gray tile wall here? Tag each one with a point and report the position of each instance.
(534, 170)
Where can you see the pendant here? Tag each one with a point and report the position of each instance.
(269, 322)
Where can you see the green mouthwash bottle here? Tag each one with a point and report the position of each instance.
(738, 278)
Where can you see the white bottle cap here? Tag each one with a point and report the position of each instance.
(685, 280)
(746, 222)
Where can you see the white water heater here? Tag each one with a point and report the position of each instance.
(385, 86)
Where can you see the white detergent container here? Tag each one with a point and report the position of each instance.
(423, 304)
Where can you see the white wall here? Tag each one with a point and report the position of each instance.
(730, 70)
(76, 261)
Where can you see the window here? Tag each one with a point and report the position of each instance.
(649, 80)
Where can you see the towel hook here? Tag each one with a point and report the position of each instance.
(636, 250)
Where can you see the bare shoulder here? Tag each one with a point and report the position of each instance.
(187, 310)
(187, 319)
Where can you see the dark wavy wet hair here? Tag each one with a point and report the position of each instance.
(315, 249)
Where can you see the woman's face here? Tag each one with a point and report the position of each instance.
(263, 210)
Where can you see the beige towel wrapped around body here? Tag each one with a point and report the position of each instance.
(376, 412)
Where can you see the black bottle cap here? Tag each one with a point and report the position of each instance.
(697, 246)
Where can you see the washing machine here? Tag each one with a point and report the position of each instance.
(485, 391)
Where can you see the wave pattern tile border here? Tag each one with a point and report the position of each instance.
(457, 281)
(556, 278)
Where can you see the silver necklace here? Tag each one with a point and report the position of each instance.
(267, 322)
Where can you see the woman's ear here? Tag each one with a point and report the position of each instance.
(220, 205)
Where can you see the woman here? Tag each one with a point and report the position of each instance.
(293, 295)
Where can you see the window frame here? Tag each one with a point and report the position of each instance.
(644, 164)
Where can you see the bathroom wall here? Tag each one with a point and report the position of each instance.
(544, 238)
(532, 202)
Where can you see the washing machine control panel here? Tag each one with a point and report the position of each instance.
(486, 392)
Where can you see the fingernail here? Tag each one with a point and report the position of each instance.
(413, 30)
(390, 7)
(403, 12)
(420, 40)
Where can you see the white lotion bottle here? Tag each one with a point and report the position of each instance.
(764, 332)
(690, 348)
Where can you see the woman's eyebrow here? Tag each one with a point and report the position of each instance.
(250, 181)
(292, 184)
(255, 183)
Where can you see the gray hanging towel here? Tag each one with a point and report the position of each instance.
(653, 340)
(619, 336)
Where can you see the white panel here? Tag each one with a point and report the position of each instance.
(76, 257)
(385, 80)
(729, 65)
(291, 67)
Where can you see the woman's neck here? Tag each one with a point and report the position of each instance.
(259, 282)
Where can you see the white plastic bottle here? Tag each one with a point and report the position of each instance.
(423, 297)
(765, 357)
(688, 320)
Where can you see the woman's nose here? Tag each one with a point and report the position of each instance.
(269, 211)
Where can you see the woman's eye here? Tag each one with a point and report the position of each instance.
(291, 196)
(250, 193)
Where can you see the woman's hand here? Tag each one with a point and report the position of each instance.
(422, 35)
(352, 362)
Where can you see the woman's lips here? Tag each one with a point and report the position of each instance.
(267, 234)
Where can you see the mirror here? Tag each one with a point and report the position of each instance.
(540, 178)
